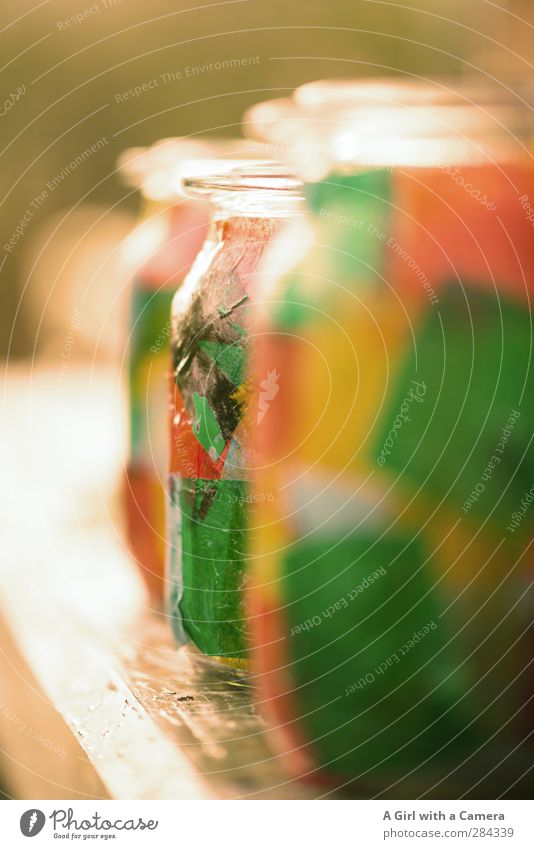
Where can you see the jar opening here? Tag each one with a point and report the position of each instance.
(262, 176)
(249, 188)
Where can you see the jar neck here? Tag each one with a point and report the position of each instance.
(255, 204)
(243, 230)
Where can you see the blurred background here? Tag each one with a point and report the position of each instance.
(68, 67)
(81, 81)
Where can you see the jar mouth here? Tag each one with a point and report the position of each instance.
(258, 177)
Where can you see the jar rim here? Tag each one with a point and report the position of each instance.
(262, 176)
(407, 90)
(334, 124)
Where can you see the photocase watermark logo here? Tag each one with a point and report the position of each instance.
(416, 394)
(32, 822)
(268, 392)
(65, 825)
(65, 820)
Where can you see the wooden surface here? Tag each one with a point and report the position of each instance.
(95, 699)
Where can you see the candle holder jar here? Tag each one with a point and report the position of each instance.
(210, 438)
(157, 255)
(391, 601)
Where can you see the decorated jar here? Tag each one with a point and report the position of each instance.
(391, 596)
(158, 253)
(211, 439)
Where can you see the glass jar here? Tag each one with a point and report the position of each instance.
(158, 253)
(210, 441)
(391, 601)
